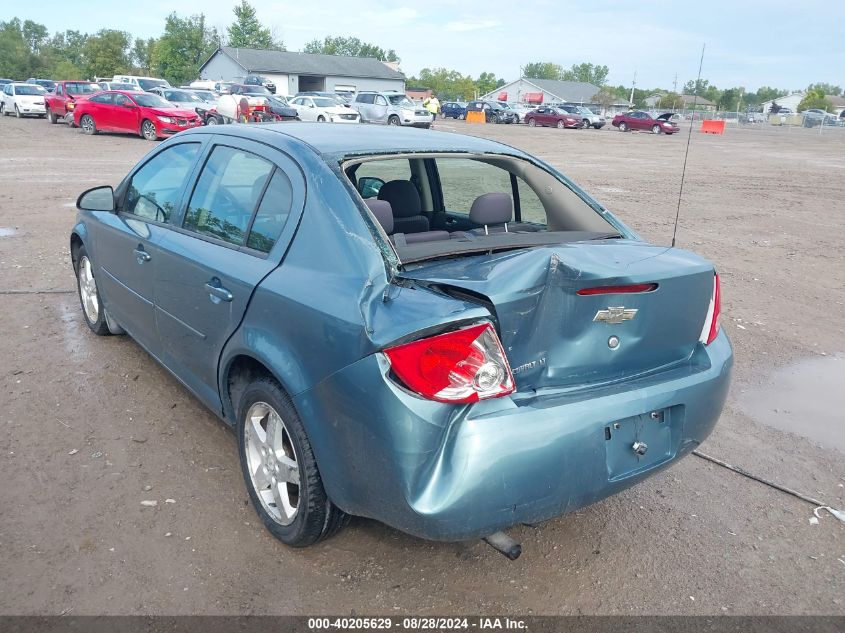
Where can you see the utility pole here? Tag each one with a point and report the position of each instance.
(675, 84)
(633, 84)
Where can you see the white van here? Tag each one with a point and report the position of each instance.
(144, 83)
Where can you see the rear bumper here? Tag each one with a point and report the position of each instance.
(450, 473)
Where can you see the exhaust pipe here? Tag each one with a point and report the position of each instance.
(504, 544)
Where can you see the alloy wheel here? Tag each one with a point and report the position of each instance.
(272, 462)
(88, 290)
(148, 129)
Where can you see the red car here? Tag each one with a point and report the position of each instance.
(141, 113)
(547, 116)
(639, 120)
(63, 98)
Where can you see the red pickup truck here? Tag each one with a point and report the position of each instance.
(62, 100)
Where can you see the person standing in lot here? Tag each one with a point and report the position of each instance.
(432, 105)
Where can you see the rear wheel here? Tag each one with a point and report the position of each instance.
(3, 109)
(89, 297)
(623, 127)
(148, 130)
(532, 123)
(87, 124)
(51, 116)
(212, 120)
(560, 125)
(462, 116)
(655, 129)
(321, 119)
(280, 470)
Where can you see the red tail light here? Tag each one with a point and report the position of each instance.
(458, 367)
(711, 323)
(617, 290)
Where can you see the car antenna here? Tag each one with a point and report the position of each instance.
(689, 138)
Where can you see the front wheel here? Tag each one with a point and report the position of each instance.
(321, 119)
(655, 129)
(18, 112)
(89, 297)
(51, 116)
(560, 125)
(280, 470)
(87, 124)
(3, 109)
(212, 120)
(623, 127)
(148, 130)
(461, 117)
(394, 120)
(532, 123)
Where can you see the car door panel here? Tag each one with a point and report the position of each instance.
(203, 285)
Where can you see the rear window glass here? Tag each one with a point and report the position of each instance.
(272, 214)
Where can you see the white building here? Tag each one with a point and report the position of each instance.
(536, 91)
(789, 101)
(298, 72)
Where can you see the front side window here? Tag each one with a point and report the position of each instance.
(226, 194)
(381, 100)
(156, 188)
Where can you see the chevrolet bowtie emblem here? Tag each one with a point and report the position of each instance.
(615, 315)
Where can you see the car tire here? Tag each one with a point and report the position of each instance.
(51, 116)
(394, 120)
(212, 120)
(306, 514)
(623, 127)
(18, 112)
(321, 119)
(585, 124)
(560, 125)
(655, 129)
(89, 297)
(532, 122)
(148, 130)
(88, 125)
(461, 117)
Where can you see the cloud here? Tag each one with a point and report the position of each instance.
(471, 25)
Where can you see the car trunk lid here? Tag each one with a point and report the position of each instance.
(555, 337)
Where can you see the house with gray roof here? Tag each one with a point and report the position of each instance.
(537, 91)
(294, 72)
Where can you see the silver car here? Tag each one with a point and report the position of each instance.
(391, 108)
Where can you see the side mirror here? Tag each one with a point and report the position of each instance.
(369, 186)
(96, 199)
(129, 105)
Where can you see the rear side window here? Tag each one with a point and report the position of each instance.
(463, 180)
(365, 98)
(272, 213)
(156, 188)
(226, 194)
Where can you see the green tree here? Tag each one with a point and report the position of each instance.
(351, 47)
(487, 82)
(816, 98)
(106, 53)
(15, 61)
(765, 93)
(828, 89)
(185, 45)
(729, 98)
(142, 55)
(446, 84)
(35, 35)
(247, 32)
(670, 101)
(542, 70)
(589, 73)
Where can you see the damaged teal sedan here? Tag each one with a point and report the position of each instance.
(432, 330)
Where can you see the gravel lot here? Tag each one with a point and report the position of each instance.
(93, 426)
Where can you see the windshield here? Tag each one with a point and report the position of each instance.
(146, 84)
(401, 101)
(584, 110)
(32, 90)
(181, 97)
(324, 102)
(149, 100)
(256, 90)
(81, 88)
(46, 84)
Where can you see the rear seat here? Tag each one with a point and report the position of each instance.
(383, 212)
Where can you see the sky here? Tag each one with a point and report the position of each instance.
(778, 43)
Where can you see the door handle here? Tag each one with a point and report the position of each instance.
(141, 255)
(217, 292)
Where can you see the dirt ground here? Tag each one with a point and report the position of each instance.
(93, 426)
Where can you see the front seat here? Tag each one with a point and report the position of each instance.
(407, 208)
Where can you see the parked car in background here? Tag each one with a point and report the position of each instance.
(520, 108)
(538, 359)
(180, 97)
(453, 110)
(23, 99)
(639, 120)
(141, 113)
(391, 108)
(587, 116)
(209, 96)
(253, 92)
(64, 96)
(547, 116)
(47, 84)
(220, 87)
(144, 83)
(323, 110)
(259, 80)
(816, 116)
(282, 108)
(317, 93)
(3, 82)
(493, 111)
(516, 117)
(119, 85)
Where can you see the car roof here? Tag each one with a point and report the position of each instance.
(330, 140)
